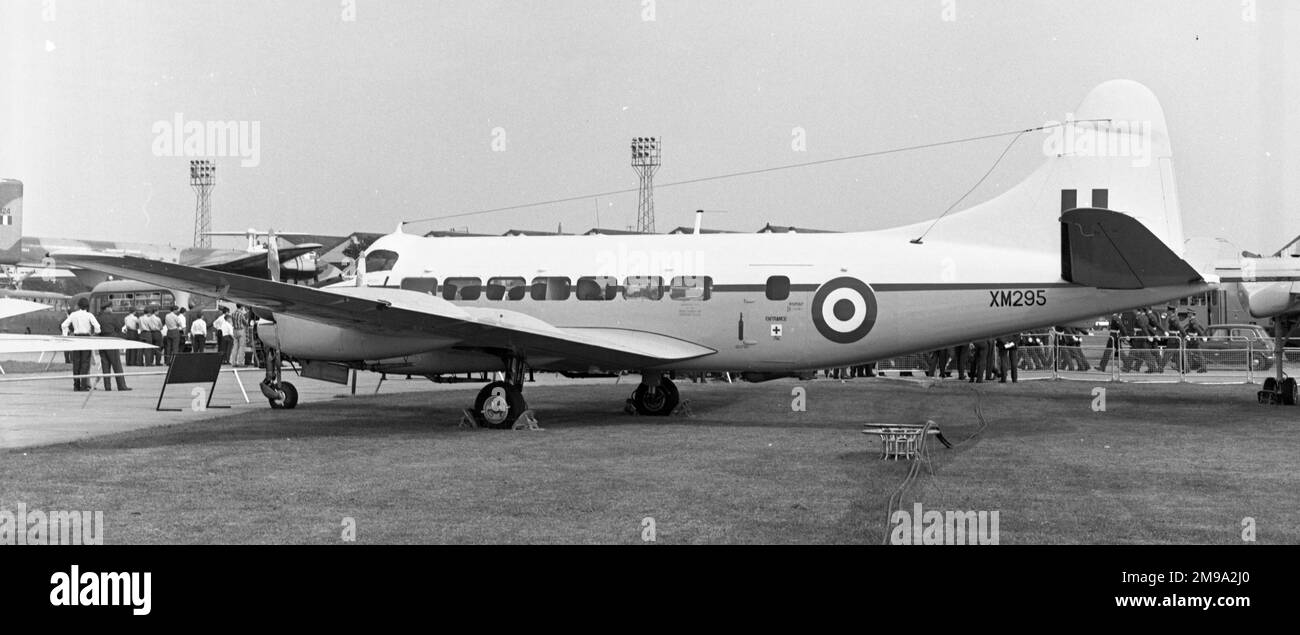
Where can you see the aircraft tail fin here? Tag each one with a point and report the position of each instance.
(1109, 250)
(1112, 153)
(11, 221)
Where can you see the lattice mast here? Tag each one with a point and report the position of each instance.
(645, 160)
(203, 178)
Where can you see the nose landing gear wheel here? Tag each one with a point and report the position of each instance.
(289, 400)
(659, 401)
(499, 404)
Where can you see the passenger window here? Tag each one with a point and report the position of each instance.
(597, 288)
(778, 287)
(506, 288)
(380, 260)
(424, 285)
(691, 288)
(644, 287)
(550, 288)
(461, 288)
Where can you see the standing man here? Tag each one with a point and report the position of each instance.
(1076, 348)
(1195, 334)
(991, 359)
(240, 321)
(171, 335)
(225, 332)
(960, 359)
(1173, 333)
(1157, 339)
(110, 360)
(1008, 359)
(146, 336)
(1142, 340)
(131, 329)
(81, 323)
(1117, 331)
(185, 330)
(979, 365)
(199, 333)
(155, 334)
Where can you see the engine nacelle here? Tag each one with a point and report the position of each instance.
(324, 342)
(1268, 299)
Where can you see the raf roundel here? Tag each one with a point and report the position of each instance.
(844, 310)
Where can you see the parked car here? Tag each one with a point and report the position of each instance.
(1228, 344)
(1292, 345)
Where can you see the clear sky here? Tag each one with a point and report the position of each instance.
(374, 111)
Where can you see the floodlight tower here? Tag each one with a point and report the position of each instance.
(645, 160)
(203, 177)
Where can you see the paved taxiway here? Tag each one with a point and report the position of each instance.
(48, 411)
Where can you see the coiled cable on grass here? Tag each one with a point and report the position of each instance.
(923, 456)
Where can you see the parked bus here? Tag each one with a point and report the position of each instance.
(124, 296)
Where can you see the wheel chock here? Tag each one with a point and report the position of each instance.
(467, 419)
(527, 421)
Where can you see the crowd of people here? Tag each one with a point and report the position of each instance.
(169, 329)
(1151, 340)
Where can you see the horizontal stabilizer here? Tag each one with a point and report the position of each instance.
(57, 343)
(10, 307)
(1109, 250)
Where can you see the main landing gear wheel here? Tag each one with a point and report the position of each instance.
(499, 404)
(659, 401)
(289, 398)
(1286, 395)
(282, 395)
(1288, 391)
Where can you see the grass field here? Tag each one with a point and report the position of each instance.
(1162, 464)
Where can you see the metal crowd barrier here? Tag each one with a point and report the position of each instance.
(1195, 359)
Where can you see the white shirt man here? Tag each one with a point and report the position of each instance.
(199, 327)
(170, 324)
(81, 322)
(224, 325)
(131, 324)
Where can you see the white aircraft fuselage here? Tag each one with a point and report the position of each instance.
(893, 296)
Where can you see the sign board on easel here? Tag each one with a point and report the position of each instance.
(192, 368)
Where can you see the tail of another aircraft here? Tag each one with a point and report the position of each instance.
(1111, 153)
(11, 221)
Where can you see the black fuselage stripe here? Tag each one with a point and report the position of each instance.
(885, 287)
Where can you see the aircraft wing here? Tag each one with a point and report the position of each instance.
(413, 313)
(9, 307)
(44, 343)
(244, 261)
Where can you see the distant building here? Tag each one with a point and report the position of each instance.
(530, 232)
(691, 230)
(782, 229)
(449, 233)
(595, 231)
